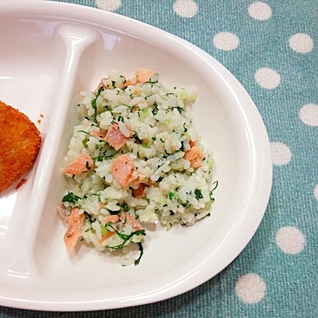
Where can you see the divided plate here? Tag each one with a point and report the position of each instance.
(49, 53)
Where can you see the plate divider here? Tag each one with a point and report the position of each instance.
(18, 263)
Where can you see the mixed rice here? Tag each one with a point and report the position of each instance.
(134, 159)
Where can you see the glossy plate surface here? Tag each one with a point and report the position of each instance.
(49, 53)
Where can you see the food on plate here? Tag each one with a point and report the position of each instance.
(134, 159)
(20, 142)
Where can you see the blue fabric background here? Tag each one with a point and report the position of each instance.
(291, 279)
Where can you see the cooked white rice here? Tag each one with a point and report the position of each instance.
(176, 193)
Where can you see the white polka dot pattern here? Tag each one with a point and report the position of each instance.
(108, 5)
(260, 11)
(226, 41)
(316, 192)
(267, 78)
(301, 43)
(185, 8)
(290, 240)
(281, 154)
(250, 288)
(308, 114)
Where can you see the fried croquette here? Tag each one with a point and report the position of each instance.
(20, 143)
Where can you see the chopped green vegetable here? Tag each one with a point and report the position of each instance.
(124, 206)
(198, 194)
(141, 252)
(179, 109)
(126, 238)
(93, 102)
(155, 108)
(70, 197)
(120, 118)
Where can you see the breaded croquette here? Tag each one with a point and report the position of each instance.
(20, 142)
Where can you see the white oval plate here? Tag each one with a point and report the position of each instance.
(49, 52)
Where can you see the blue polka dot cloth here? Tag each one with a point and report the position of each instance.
(271, 47)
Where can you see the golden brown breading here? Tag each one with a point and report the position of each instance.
(20, 143)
